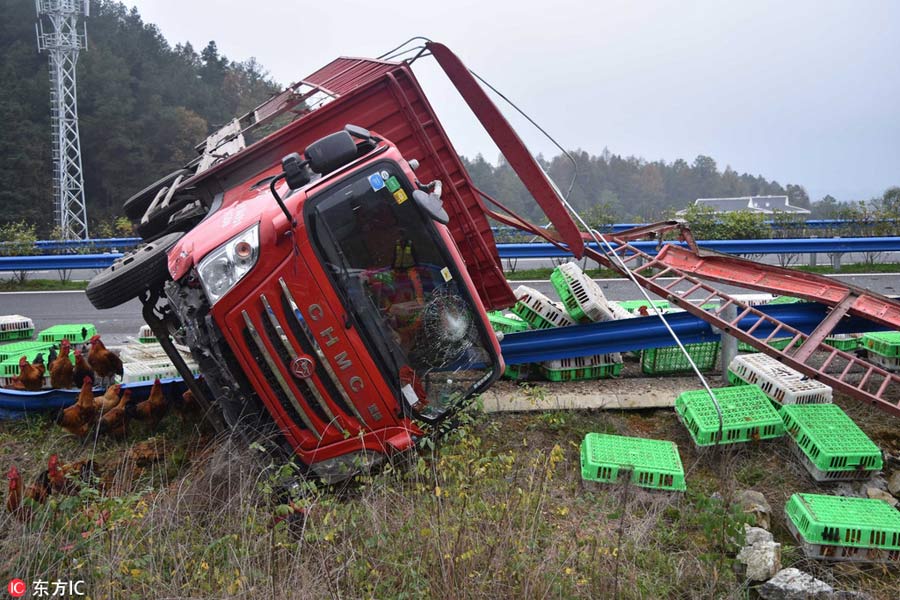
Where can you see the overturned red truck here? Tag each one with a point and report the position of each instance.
(332, 279)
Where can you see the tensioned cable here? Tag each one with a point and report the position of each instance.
(601, 241)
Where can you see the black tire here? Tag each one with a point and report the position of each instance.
(133, 274)
(137, 205)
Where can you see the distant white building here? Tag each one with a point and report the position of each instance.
(766, 205)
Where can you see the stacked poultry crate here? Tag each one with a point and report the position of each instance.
(582, 302)
(845, 528)
(779, 382)
(146, 362)
(747, 415)
(829, 444)
(15, 327)
(76, 333)
(883, 348)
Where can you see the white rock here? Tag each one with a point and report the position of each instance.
(755, 535)
(755, 503)
(893, 484)
(881, 495)
(794, 584)
(763, 559)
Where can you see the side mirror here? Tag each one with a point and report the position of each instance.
(432, 206)
(331, 152)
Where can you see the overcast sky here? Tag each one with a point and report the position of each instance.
(801, 92)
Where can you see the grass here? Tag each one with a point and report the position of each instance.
(497, 510)
(851, 268)
(40, 285)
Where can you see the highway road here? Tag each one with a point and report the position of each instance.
(52, 308)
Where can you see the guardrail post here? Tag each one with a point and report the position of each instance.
(729, 343)
(812, 259)
(836, 261)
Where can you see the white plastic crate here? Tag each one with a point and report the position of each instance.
(888, 364)
(586, 293)
(15, 327)
(779, 382)
(753, 299)
(137, 371)
(539, 310)
(141, 352)
(619, 313)
(580, 362)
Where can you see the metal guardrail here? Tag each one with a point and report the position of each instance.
(125, 243)
(49, 262)
(809, 224)
(641, 333)
(773, 246)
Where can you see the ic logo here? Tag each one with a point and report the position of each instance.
(303, 367)
(16, 588)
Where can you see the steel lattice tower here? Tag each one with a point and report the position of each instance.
(62, 35)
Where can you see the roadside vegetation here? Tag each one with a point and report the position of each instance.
(498, 509)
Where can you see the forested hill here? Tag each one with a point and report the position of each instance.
(143, 105)
(628, 188)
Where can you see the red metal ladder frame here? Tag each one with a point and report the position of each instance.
(688, 265)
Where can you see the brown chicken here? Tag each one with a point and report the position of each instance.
(188, 408)
(105, 363)
(60, 482)
(77, 419)
(109, 399)
(37, 492)
(31, 375)
(82, 369)
(153, 409)
(114, 421)
(61, 369)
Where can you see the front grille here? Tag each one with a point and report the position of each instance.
(274, 378)
(300, 329)
(286, 354)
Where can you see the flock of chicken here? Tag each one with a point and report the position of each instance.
(101, 364)
(110, 413)
(55, 479)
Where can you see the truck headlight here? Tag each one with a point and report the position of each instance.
(222, 268)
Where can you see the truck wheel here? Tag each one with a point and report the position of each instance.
(137, 205)
(136, 272)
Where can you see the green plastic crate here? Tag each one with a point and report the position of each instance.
(883, 343)
(76, 332)
(10, 367)
(16, 334)
(14, 351)
(747, 415)
(653, 464)
(784, 300)
(506, 323)
(633, 305)
(846, 342)
(845, 521)
(518, 372)
(777, 343)
(831, 441)
(583, 373)
(662, 361)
